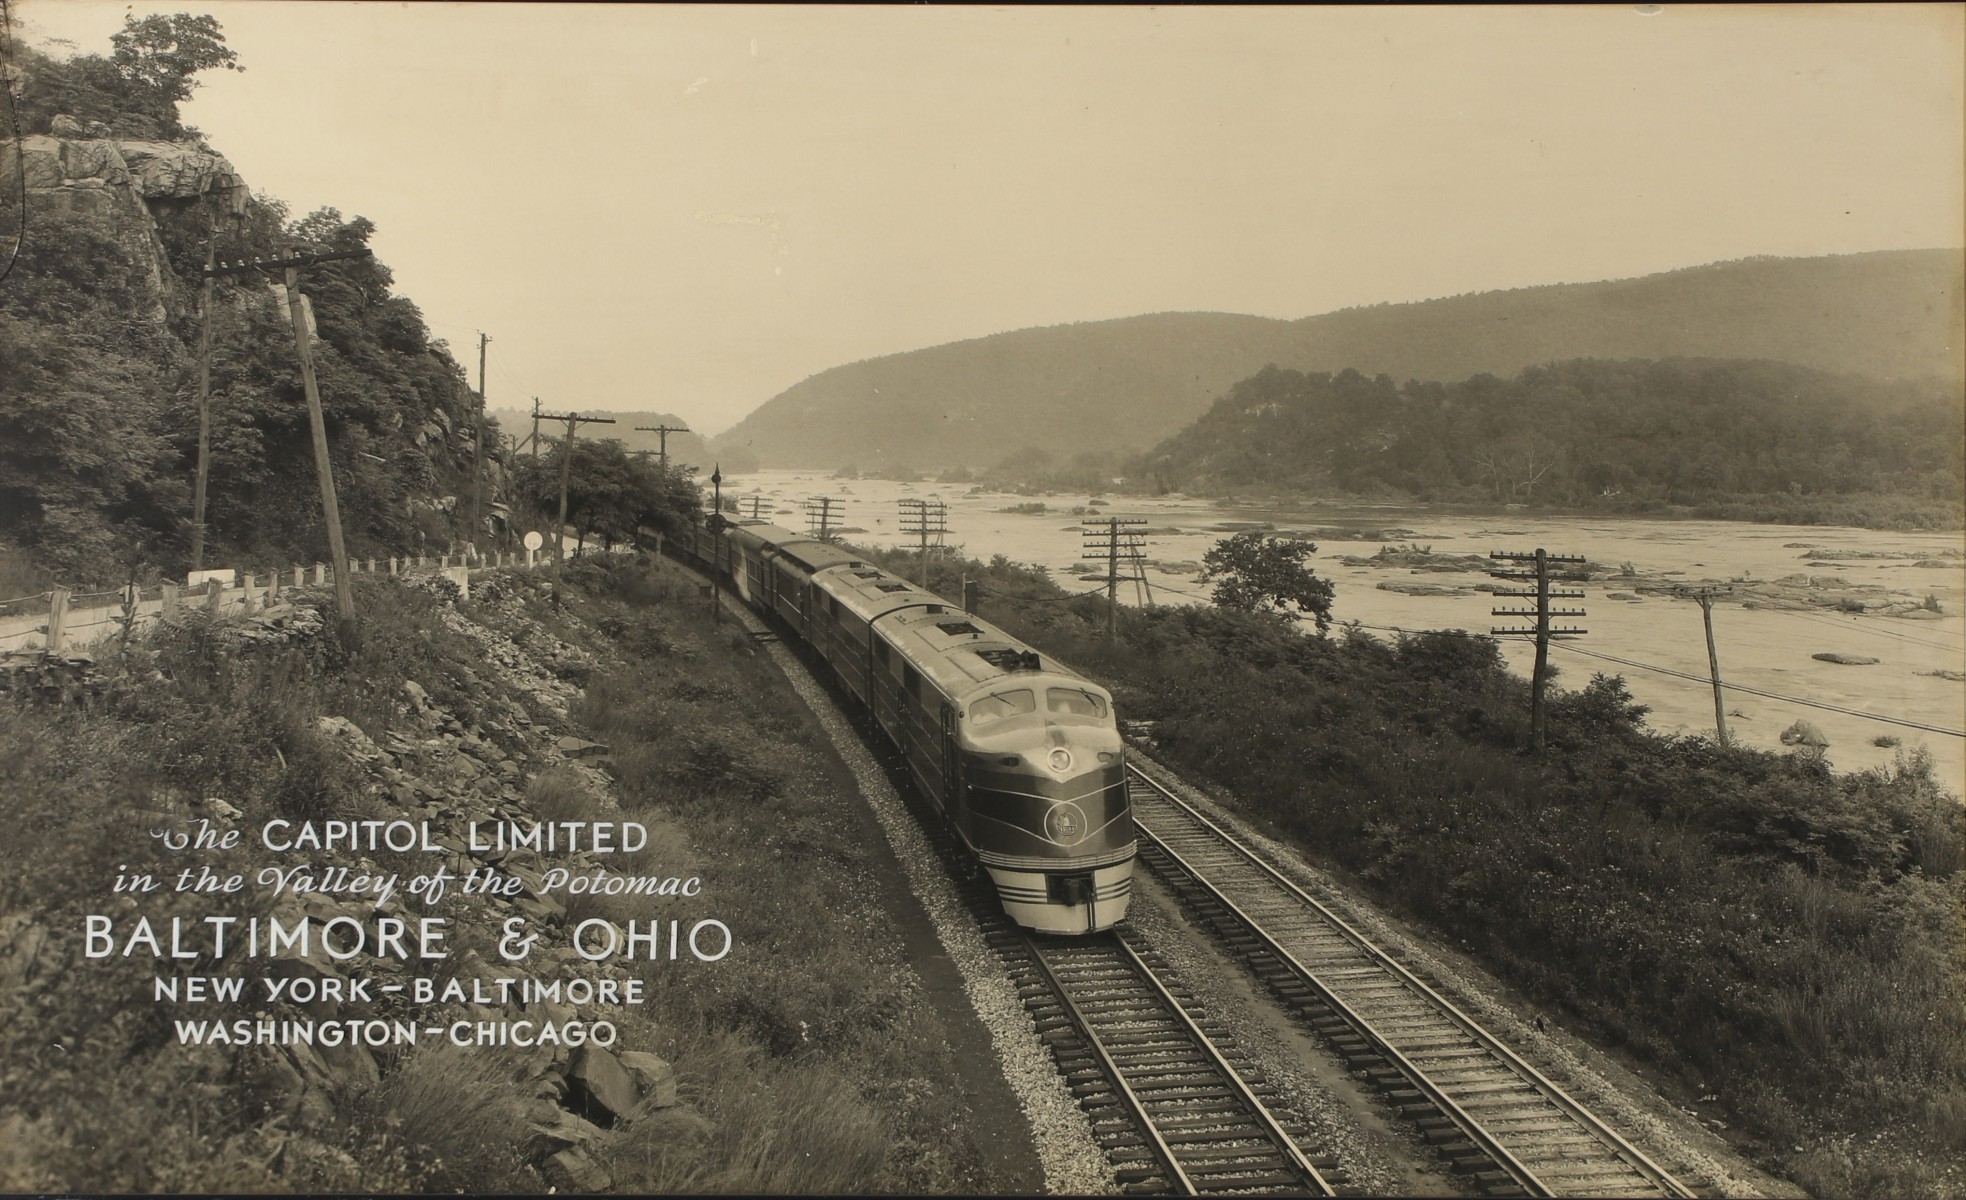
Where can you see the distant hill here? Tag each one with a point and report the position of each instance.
(687, 448)
(1746, 438)
(1126, 384)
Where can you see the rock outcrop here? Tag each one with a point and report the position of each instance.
(79, 170)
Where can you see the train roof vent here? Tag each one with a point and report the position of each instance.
(864, 574)
(958, 628)
(1005, 659)
(934, 610)
(892, 587)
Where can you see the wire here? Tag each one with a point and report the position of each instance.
(1752, 691)
(1699, 679)
(1039, 599)
(1833, 623)
(20, 143)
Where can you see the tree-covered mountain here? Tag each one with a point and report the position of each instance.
(1125, 384)
(99, 330)
(1768, 439)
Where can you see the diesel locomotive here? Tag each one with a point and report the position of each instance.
(1019, 753)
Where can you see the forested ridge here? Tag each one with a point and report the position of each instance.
(1120, 386)
(1737, 438)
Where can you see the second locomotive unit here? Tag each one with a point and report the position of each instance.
(1021, 754)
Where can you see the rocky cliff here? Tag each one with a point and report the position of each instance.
(81, 171)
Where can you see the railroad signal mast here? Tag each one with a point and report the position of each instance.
(1705, 595)
(1111, 538)
(925, 519)
(821, 516)
(1538, 572)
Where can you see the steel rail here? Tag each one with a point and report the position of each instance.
(1271, 1126)
(1607, 1136)
(1128, 1097)
(1469, 1127)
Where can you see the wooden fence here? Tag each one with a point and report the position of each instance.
(64, 620)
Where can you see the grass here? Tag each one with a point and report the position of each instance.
(807, 1053)
(807, 1061)
(1765, 931)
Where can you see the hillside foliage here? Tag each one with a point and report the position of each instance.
(1780, 440)
(612, 496)
(98, 385)
(1782, 940)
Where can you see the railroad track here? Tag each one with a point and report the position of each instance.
(1490, 1113)
(1172, 1102)
(1175, 1104)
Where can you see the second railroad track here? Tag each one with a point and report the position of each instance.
(1491, 1113)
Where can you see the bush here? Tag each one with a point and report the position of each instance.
(1722, 912)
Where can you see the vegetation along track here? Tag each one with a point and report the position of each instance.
(1176, 1105)
(1489, 1112)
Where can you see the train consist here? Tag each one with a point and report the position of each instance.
(1022, 755)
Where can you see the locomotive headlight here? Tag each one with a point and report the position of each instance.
(1061, 759)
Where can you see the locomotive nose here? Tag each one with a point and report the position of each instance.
(1070, 751)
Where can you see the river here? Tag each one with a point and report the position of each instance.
(1767, 649)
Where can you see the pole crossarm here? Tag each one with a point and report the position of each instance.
(296, 260)
(1704, 594)
(820, 511)
(662, 433)
(1540, 562)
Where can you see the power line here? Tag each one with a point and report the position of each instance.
(1853, 626)
(13, 118)
(1699, 679)
(1737, 687)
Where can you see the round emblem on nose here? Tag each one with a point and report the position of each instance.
(1066, 823)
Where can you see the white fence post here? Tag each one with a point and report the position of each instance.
(57, 617)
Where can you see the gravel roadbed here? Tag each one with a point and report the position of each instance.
(1073, 1163)
(1672, 1137)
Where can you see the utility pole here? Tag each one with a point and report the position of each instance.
(757, 506)
(205, 383)
(922, 518)
(662, 433)
(574, 421)
(1705, 596)
(1543, 632)
(820, 511)
(344, 594)
(535, 431)
(478, 449)
(1102, 540)
(716, 525)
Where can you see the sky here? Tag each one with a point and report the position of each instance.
(691, 208)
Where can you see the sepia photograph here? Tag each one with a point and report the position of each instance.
(789, 599)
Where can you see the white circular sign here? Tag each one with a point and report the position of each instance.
(534, 541)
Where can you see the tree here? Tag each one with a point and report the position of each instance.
(610, 493)
(159, 54)
(1254, 572)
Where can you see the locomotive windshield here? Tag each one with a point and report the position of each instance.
(1074, 702)
(998, 705)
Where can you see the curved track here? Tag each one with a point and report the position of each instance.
(1491, 1113)
(1145, 1067)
